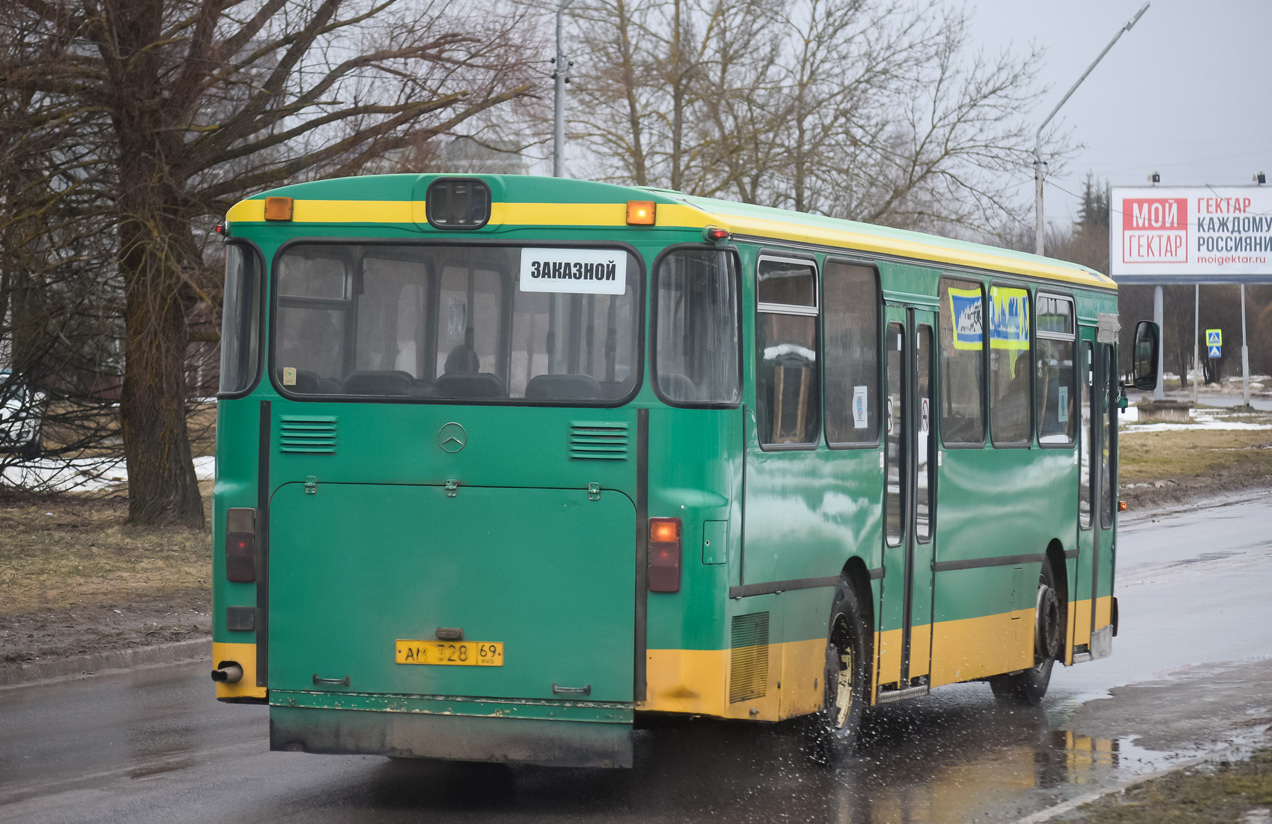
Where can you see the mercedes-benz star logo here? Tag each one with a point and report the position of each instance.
(452, 437)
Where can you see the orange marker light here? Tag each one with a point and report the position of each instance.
(641, 212)
(1121, 506)
(278, 208)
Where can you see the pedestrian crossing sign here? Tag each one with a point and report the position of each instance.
(1214, 337)
(1215, 353)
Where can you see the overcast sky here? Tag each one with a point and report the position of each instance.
(1187, 92)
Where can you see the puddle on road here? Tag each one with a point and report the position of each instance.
(955, 756)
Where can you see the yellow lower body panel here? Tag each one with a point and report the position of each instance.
(978, 647)
(697, 682)
(888, 645)
(245, 656)
(1080, 621)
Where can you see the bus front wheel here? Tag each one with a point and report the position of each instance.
(1028, 687)
(846, 678)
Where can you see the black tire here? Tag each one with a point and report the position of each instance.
(1029, 687)
(846, 679)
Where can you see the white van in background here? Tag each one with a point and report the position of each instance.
(21, 414)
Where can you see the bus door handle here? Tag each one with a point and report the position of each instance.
(559, 690)
(340, 682)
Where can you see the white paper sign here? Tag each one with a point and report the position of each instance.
(860, 411)
(575, 271)
(1063, 402)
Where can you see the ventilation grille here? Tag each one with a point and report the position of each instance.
(593, 441)
(748, 666)
(305, 433)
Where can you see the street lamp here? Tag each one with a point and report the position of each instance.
(558, 131)
(1038, 218)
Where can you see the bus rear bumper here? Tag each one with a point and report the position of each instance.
(546, 742)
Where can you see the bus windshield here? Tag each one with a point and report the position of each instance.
(478, 323)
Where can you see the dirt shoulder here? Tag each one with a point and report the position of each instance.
(1161, 469)
(1213, 792)
(75, 581)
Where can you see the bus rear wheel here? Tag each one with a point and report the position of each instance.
(833, 730)
(1028, 687)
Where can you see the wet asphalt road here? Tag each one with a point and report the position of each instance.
(153, 746)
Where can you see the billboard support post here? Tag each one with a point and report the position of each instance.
(1158, 391)
(1245, 354)
(1196, 341)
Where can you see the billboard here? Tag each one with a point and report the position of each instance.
(1191, 234)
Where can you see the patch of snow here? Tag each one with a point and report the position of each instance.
(82, 474)
(1212, 419)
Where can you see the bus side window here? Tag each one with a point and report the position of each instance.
(852, 353)
(787, 391)
(1084, 405)
(962, 362)
(1055, 400)
(240, 323)
(1009, 366)
(696, 342)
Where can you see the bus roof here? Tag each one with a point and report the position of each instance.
(546, 201)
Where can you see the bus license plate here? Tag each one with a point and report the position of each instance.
(450, 653)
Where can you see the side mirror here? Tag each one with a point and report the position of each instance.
(1144, 355)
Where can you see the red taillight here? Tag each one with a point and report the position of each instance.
(240, 545)
(664, 555)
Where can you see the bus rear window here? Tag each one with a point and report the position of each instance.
(696, 343)
(465, 323)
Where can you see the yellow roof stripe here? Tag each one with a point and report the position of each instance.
(879, 244)
(671, 215)
(334, 211)
(406, 211)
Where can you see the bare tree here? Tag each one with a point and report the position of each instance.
(190, 105)
(875, 110)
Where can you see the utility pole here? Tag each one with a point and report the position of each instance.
(559, 74)
(1039, 223)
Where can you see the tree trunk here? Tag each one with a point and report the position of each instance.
(162, 487)
(153, 235)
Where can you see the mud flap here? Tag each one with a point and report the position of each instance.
(1102, 642)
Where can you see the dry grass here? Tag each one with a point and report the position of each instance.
(60, 552)
(1202, 454)
(1214, 794)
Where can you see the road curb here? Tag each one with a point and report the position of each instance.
(79, 666)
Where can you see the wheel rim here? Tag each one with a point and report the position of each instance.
(1047, 627)
(843, 693)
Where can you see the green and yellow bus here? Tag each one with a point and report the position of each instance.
(505, 463)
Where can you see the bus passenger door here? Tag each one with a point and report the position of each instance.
(905, 639)
(923, 511)
(1088, 539)
(1103, 507)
